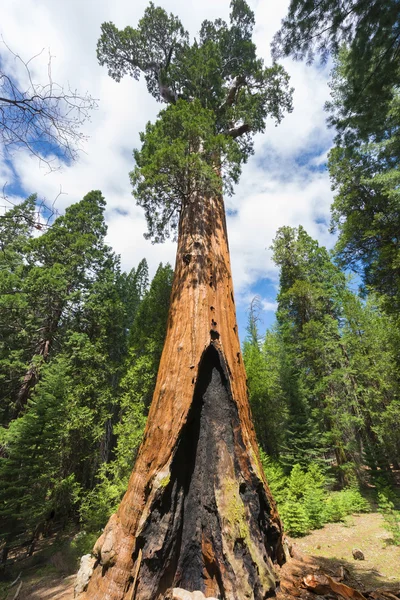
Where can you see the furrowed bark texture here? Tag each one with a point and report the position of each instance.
(198, 513)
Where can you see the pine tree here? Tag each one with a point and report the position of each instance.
(369, 31)
(340, 374)
(365, 178)
(51, 453)
(16, 228)
(60, 265)
(31, 463)
(265, 392)
(135, 389)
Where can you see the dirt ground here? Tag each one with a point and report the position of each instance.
(333, 545)
(43, 587)
(325, 550)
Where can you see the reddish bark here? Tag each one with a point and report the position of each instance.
(198, 513)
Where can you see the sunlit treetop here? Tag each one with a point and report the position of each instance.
(219, 94)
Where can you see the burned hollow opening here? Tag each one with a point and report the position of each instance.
(185, 540)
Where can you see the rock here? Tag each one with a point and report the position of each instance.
(84, 574)
(181, 594)
(357, 554)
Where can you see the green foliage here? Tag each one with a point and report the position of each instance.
(16, 229)
(353, 501)
(72, 318)
(220, 94)
(265, 394)
(146, 340)
(275, 475)
(294, 517)
(304, 500)
(369, 30)
(82, 543)
(35, 449)
(177, 162)
(362, 38)
(337, 369)
(334, 509)
(313, 502)
(54, 278)
(297, 483)
(365, 211)
(346, 502)
(390, 515)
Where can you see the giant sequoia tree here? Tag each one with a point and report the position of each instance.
(198, 513)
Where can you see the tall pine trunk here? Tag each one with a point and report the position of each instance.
(41, 355)
(198, 513)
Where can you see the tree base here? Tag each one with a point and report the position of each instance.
(209, 528)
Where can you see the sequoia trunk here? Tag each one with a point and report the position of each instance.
(198, 513)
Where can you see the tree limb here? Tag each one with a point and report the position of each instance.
(41, 118)
(237, 83)
(236, 132)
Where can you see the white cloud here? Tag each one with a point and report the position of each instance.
(276, 187)
(269, 305)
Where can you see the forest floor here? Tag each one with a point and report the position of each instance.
(333, 544)
(326, 550)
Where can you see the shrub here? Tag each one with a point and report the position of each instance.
(313, 503)
(294, 517)
(302, 498)
(353, 501)
(276, 477)
(297, 483)
(334, 509)
(390, 515)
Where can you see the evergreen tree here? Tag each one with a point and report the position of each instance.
(370, 31)
(308, 311)
(60, 265)
(363, 39)
(265, 392)
(135, 390)
(219, 95)
(31, 467)
(363, 167)
(16, 229)
(339, 383)
(72, 298)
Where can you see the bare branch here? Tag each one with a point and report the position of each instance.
(45, 119)
(45, 212)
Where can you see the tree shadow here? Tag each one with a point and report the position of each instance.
(351, 574)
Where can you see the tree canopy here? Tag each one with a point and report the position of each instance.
(219, 93)
(368, 29)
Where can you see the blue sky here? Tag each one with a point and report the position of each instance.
(285, 183)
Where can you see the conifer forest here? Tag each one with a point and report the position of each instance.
(141, 439)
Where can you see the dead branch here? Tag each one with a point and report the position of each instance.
(44, 119)
(44, 215)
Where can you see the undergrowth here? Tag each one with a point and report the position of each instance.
(305, 501)
(387, 501)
